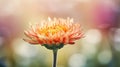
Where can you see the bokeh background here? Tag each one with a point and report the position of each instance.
(99, 19)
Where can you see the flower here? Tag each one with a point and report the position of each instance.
(105, 16)
(55, 32)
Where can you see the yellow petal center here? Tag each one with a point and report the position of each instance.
(53, 29)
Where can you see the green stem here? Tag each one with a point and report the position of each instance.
(54, 57)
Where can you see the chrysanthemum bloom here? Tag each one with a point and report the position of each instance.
(54, 33)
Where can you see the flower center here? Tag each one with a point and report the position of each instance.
(53, 29)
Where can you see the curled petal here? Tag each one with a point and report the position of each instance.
(31, 41)
(71, 42)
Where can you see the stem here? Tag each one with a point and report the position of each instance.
(54, 57)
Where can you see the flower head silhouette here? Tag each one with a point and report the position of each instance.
(54, 32)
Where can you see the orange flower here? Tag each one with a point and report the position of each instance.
(54, 32)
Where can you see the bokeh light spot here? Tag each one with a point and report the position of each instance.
(105, 57)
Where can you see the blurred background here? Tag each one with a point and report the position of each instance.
(99, 19)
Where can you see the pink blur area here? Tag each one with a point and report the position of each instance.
(99, 19)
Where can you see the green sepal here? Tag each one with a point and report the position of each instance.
(54, 46)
